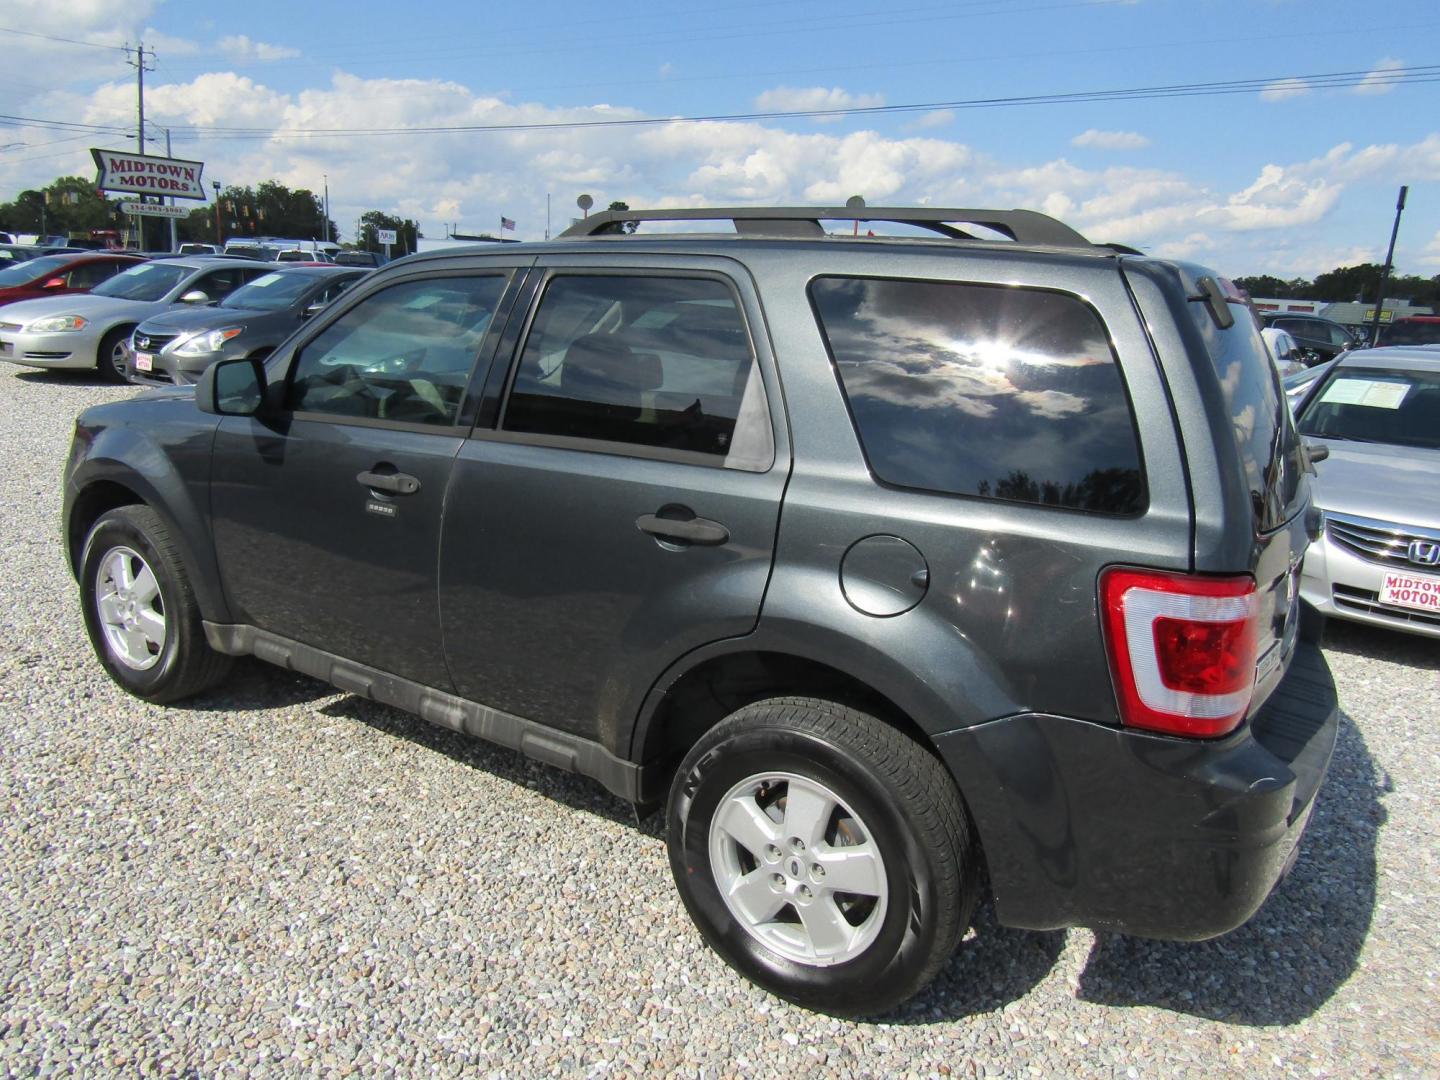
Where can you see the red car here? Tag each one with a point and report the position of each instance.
(56, 275)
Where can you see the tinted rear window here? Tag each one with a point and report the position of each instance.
(990, 391)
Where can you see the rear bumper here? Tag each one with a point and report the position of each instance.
(1087, 825)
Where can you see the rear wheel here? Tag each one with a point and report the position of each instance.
(112, 356)
(140, 609)
(823, 854)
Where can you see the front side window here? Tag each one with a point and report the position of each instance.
(991, 391)
(403, 354)
(657, 362)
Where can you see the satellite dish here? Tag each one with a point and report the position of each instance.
(855, 202)
(585, 202)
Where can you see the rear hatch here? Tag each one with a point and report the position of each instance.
(1248, 437)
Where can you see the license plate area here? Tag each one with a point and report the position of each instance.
(1416, 592)
(144, 361)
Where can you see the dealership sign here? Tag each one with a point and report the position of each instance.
(155, 209)
(123, 171)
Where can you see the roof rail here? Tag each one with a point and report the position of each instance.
(1023, 226)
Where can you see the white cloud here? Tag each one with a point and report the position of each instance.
(1377, 80)
(666, 70)
(937, 118)
(1110, 140)
(1430, 256)
(241, 47)
(1284, 89)
(804, 99)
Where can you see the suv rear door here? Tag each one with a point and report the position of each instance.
(617, 503)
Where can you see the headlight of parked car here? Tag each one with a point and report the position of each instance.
(207, 342)
(58, 324)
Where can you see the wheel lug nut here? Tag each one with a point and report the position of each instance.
(805, 892)
(772, 852)
(818, 870)
(797, 844)
(777, 881)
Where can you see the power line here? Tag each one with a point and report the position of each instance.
(1321, 80)
(52, 37)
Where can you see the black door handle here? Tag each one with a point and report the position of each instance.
(397, 483)
(693, 530)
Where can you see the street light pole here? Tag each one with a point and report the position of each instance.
(219, 229)
(326, 179)
(1385, 270)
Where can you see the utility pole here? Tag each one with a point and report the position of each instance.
(326, 179)
(174, 245)
(138, 63)
(1385, 270)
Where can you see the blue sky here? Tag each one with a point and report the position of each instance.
(1293, 180)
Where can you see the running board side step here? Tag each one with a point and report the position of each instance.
(545, 744)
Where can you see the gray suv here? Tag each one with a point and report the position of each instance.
(899, 569)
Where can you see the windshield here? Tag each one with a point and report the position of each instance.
(1379, 405)
(26, 272)
(148, 282)
(270, 292)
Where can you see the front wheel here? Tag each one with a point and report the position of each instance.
(112, 356)
(140, 609)
(823, 854)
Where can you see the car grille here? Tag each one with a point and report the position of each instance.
(151, 342)
(1381, 542)
(1369, 602)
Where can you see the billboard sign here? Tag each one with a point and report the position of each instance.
(124, 171)
(386, 236)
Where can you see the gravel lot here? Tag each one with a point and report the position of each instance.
(278, 879)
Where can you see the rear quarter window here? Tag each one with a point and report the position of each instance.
(1265, 437)
(998, 392)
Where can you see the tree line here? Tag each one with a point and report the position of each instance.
(1346, 283)
(71, 206)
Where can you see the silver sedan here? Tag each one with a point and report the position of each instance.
(1378, 559)
(90, 331)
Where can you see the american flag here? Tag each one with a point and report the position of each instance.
(506, 223)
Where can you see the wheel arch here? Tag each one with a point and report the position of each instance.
(104, 485)
(689, 701)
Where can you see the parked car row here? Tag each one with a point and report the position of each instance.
(63, 330)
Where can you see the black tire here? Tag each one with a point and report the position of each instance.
(105, 356)
(902, 800)
(182, 663)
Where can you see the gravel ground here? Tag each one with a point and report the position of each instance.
(281, 879)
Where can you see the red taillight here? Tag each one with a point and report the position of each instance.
(1182, 649)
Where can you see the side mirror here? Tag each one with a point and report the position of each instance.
(312, 310)
(54, 283)
(231, 388)
(195, 296)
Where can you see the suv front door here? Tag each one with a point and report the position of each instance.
(327, 512)
(617, 503)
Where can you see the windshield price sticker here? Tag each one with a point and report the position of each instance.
(1369, 392)
(1411, 591)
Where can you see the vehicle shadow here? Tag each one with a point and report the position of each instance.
(994, 966)
(1300, 948)
(255, 684)
(73, 377)
(1377, 643)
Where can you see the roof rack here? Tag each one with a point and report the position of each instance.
(1022, 226)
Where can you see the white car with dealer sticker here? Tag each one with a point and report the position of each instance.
(1378, 559)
